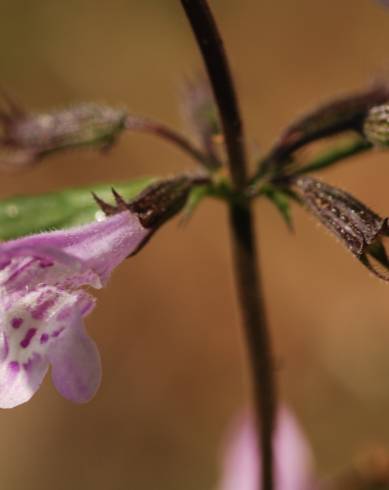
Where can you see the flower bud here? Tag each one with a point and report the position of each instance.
(360, 229)
(158, 202)
(343, 114)
(27, 137)
(376, 126)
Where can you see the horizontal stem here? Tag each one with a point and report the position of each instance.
(145, 125)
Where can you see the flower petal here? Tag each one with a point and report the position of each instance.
(24, 268)
(76, 365)
(42, 305)
(19, 382)
(29, 326)
(99, 246)
(4, 348)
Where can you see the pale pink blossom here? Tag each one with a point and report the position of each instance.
(43, 304)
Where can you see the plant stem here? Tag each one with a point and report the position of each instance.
(145, 125)
(257, 335)
(212, 50)
(242, 232)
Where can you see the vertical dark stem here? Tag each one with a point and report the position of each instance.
(257, 335)
(242, 231)
(212, 49)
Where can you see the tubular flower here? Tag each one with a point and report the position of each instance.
(42, 305)
(292, 457)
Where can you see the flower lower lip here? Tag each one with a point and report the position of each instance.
(41, 280)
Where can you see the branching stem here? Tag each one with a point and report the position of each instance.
(242, 232)
(145, 125)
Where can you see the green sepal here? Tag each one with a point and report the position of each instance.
(23, 215)
(334, 155)
(197, 194)
(280, 199)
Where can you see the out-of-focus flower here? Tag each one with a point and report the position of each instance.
(200, 114)
(292, 457)
(28, 137)
(42, 305)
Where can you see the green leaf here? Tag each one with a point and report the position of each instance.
(196, 195)
(280, 200)
(23, 215)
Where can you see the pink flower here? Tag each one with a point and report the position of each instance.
(293, 459)
(42, 305)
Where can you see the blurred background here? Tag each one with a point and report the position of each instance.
(167, 325)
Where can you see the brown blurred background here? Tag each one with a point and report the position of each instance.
(167, 325)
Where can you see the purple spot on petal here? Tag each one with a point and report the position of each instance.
(31, 362)
(44, 338)
(27, 365)
(64, 314)
(39, 312)
(45, 263)
(20, 268)
(14, 366)
(56, 333)
(27, 339)
(16, 322)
